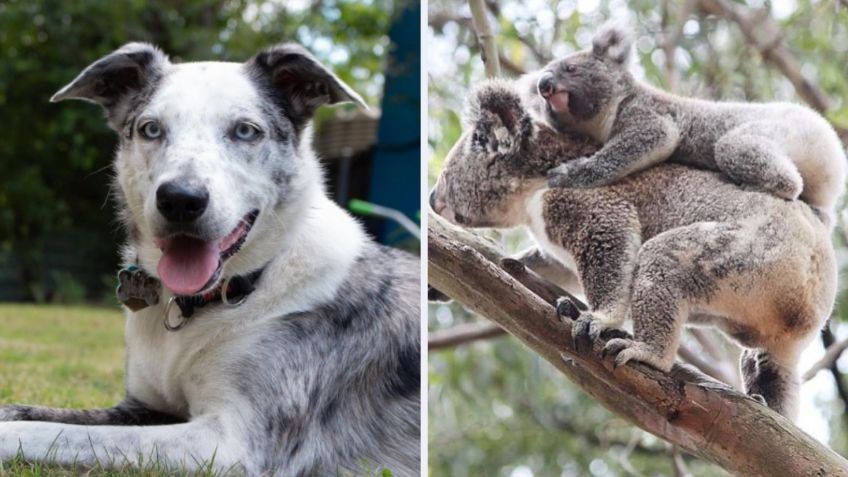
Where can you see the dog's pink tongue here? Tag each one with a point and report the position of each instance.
(559, 101)
(187, 264)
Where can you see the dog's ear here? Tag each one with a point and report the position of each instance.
(304, 82)
(112, 79)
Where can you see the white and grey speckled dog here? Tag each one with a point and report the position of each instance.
(311, 367)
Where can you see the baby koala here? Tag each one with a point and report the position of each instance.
(786, 149)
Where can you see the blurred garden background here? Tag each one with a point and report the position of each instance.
(495, 407)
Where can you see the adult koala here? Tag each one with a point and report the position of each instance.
(664, 245)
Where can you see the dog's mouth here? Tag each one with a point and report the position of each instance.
(190, 265)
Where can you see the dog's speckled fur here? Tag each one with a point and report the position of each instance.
(784, 148)
(658, 246)
(317, 372)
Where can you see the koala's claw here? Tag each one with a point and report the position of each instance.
(626, 350)
(613, 333)
(586, 330)
(580, 335)
(566, 309)
(759, 398)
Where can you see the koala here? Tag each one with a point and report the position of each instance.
(783, 148)
(665, 246)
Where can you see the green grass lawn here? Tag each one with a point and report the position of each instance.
(64, 356)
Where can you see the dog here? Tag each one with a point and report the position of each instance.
(266, 333)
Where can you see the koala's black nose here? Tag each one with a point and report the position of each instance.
(181, 201)
(432, 199)
(547, 85)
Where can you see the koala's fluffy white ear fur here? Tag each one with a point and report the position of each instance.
(613, 42)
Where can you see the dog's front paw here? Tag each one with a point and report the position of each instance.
(625, 350)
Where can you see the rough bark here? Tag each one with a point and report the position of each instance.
(684, 407)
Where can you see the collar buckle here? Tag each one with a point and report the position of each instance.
(167, 320)
(225, 290)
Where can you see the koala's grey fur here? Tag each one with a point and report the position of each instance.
(784, 148)
(664, 245)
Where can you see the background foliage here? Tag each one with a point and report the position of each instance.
(495, 408)
(55, 159)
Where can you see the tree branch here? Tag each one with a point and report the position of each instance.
(541, 58)
(485, 38)
(832, 353)
(511, 66)
(678, 464)
(707, 344)
(684, 407)
(462, 334)
(713, 370)
(438, 20)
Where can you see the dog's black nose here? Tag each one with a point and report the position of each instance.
(546, 85)
(180, 201)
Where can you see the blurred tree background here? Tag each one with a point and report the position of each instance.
(55, 159)
(497, 409)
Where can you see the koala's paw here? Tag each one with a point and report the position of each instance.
(625, 350)
(590, 327)
(566, 309)
(788, 188)
(578, 173)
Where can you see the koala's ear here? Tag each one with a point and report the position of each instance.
(612, 42)
(112, 79)
(497, 99)
(301, 81)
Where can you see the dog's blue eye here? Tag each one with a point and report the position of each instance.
(246, 132)
(151, 130)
